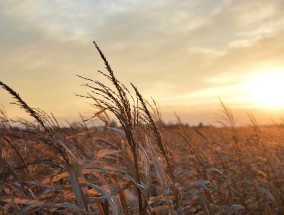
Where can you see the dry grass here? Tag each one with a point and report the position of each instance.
(139, 167)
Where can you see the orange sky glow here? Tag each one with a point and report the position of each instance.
(186, 55)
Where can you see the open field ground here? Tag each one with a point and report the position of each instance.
(215, 171)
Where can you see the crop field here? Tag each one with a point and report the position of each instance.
(140, 165)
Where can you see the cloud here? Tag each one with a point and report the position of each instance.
(196, 49)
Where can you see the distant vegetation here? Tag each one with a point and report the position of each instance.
(139, 166)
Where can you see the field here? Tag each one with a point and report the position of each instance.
(140, 166)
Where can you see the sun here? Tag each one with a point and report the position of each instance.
(266, 89)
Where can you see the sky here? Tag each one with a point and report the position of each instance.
(186, 55)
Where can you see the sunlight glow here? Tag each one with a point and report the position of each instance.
(266, 89)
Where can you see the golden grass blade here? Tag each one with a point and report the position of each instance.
(79, 187)
(52, 207)
(55, 178)
(16, 200)
(106, 195)
(105, 152)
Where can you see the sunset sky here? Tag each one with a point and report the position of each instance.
(184, 54)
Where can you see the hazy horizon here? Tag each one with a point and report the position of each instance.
(183, 55)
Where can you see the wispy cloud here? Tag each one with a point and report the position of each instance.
(196, 50)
